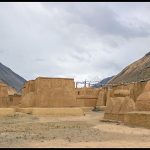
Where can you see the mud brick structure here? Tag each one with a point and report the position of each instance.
(137, 118)
(143, 101)
(102, 97)
(60, 112)
(119, 102)
(14, 100)
(49, 92)
(4, 95)
(118, 105)
(7, 112)
(129, 103)
(135, 89)
(86, 97)
(8, 96)
(140, 117)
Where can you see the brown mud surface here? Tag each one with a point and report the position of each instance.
(24, 130)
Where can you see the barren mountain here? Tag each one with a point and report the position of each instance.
(102, 82)
(136, 71)
(10, 78)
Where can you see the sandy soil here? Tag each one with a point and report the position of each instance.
(25, 130)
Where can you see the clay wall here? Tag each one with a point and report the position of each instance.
(102, 97)
(3, 95)
(121, 99)
(49, 92)
(14, 100)
(28, 87)
(86, 97)
(143, 100)
(137, 119)
(135, 89)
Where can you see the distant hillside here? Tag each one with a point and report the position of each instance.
(10, 78)
(136, 71)
(103, 82)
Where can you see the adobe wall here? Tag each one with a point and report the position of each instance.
(28, 94)
(11, 91)
(28, 87)
(143, 100)
(3, 95)
(5, 112)
(14, 100)
(86, 97)
(49, 92)
(121, 99)
(3, 90)
(8, 96)
(102, 97)
(135, 89)
(138, 118)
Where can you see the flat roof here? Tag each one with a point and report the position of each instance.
(54, 78)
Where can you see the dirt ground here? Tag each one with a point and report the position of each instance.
(24, 130)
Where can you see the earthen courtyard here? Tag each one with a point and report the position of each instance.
(25, 130)
(52, 112)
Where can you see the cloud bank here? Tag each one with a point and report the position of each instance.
(76, 40)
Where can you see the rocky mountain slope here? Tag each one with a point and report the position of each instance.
(138, 70)
(102, 82)
(10, 78)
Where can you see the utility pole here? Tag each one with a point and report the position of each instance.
(76, 84)
(85, 83)
(89, 84)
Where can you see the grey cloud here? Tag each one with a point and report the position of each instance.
(103, 19)
(111, 65)
(39, 59)
(79, 57)
(1, 51)
(80, 54)
(80, 40)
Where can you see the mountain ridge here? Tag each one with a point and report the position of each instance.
(102, 82)
(11, 78)
(134, 72)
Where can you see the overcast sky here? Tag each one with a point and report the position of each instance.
(78, 40)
